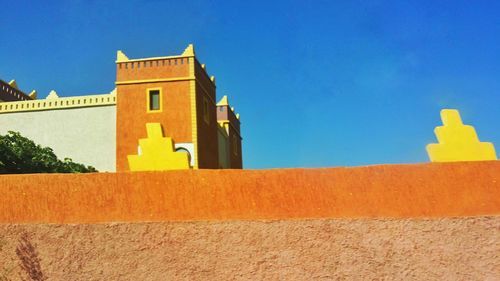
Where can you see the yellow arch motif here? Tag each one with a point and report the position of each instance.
(157, 153)
(458, 142)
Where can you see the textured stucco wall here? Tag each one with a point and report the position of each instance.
(418, 190)
(175, 117)
(87, 135)
(208, 156)
(345, 249)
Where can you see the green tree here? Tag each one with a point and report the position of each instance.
(20, 155)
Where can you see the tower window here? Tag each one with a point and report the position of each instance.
(206, 111)
(154, 100)
(235, 145)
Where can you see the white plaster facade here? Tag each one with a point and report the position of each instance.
(85, 134)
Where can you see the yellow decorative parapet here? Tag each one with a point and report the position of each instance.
(223, 101)
(157, 153)
(13, 84)
(189, 51)
(32, 95)
(55, 102)
(224, 124)
(121, 57)
(52, 95)
(458, 142)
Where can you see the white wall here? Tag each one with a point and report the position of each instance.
(87, 134)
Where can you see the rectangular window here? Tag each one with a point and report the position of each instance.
(235, 145)
(154, 100)
(206, 111)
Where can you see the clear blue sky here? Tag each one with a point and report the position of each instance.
(317, 83)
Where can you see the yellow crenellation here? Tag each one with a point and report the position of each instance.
(458, 142)
(223, 101)
(13, 84)
(157, 153)
(55, 102)
(189, 51)
(121, 57)
(33, 95)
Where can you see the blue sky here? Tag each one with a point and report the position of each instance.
(317, 83)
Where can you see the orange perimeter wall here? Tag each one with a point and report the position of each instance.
(417, 190)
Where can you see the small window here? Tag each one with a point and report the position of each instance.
(235, 145)
(154, 100)
(206, 112)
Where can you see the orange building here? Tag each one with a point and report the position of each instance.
(178, 93)
(174, 92)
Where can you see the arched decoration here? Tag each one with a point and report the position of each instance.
(182, 149)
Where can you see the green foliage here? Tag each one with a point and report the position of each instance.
(20, 155)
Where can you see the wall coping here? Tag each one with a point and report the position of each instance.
(59, 103)
(433, 190)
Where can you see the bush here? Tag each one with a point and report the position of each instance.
(20, 155)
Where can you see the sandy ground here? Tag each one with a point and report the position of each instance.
(320, 249)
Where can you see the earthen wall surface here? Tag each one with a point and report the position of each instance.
(320, 249)
(387, 222)
(132, 116)
(208, 156)
(418, 190)
(152, 69)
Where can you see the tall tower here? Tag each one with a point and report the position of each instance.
(174, 91)
(229, 121)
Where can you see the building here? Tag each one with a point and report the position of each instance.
(102, 130)
(9, 92)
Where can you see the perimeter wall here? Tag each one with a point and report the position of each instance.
(401, 191)
(388, 222)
